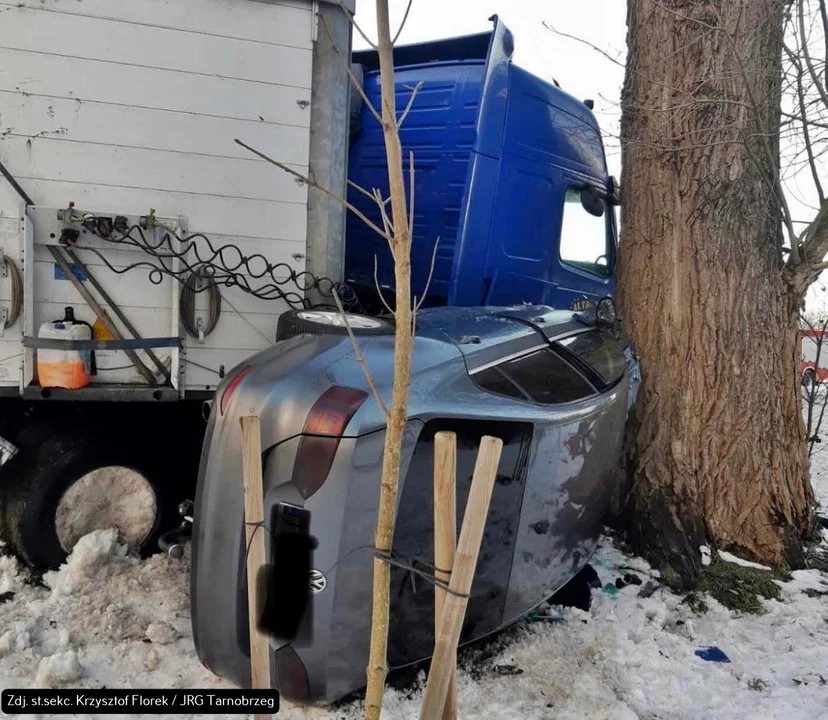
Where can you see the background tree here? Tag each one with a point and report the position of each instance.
(813, 328)
(713, 272)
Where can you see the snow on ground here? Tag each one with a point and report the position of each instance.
(107, 619)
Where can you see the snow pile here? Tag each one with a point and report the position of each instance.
(104, 619)
(59, 669)
(9, 575)
(125, 624)
(108, 619)
(95, 555)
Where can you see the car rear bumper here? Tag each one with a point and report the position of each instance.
(329, 659)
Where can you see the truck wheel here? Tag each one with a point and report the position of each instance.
(808, 379)
(328, 322)
(68, 485)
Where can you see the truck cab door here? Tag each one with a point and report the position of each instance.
(521, 254)
(553, 238)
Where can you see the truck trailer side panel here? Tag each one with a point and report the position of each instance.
(122, 107)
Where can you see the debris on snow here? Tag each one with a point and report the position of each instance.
(729, 557)
(648, 590)
(161, 633)
(712, 654)
(151, 660)
(737, 587)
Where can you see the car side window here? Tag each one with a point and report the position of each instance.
(585, 236)
(542, 377)
(602, 353)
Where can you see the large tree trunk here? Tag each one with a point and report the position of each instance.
(720, 452)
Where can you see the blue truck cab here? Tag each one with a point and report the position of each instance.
(510, 180)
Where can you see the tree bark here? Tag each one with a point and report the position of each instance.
(720, 454)
(403, 346)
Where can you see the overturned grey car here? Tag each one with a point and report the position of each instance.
(556, 391)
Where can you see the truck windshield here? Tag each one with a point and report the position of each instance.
(584, 236)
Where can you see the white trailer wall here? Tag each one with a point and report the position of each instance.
(125, 105)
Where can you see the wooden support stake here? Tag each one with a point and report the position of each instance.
(255, 542)
(445, 540)
(465, 562)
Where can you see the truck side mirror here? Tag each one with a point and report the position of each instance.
(592, 202)
(614, 191)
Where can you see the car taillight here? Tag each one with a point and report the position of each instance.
(231, 388)
(321, 434)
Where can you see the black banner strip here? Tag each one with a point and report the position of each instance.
(148, 702)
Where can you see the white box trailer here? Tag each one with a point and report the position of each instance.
(117, 129)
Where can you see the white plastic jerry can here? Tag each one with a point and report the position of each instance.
(69, 369)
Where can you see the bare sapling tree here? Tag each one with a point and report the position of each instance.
(714, 268)
(396, 227)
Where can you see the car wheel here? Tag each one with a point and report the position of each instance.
(809, 379)
(68, 485)
(328, 322)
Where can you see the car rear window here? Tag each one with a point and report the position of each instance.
(542, 377)
(600, 351)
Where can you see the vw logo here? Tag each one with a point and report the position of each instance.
(318, 582)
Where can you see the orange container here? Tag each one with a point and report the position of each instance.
(63, 368)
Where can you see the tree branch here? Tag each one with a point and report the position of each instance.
(361, 189)
(402, 24)
(410, 193)
(352, 20)
(813, 249)
(386, 221)
(597, 49)
(359, 356)
(806, 132)
(823, 13)
(806, 53)
(405, 112)
(417, 306)
(317, 186)
(379, 289)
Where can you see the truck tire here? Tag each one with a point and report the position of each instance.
(59, 489)
(328, 322)
(808, 379)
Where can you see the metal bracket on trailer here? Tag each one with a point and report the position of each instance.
(40, 229)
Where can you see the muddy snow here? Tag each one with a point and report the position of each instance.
(106, 619)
